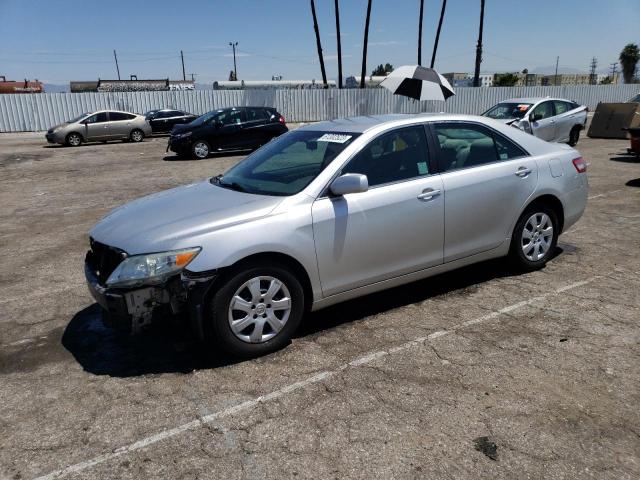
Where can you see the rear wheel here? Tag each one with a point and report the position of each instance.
(74, 139)
(136, 135)
(534, 238)
(200, 149)
(574, 136)
(256, 311)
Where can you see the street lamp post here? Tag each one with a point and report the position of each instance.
(233, 45)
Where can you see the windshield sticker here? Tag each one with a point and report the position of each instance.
(334, 137)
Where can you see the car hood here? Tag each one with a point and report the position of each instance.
(170, 219)
(60, 125)
(182, 127)
(508, 121)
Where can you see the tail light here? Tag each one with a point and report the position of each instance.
(281, 120)
(580, 164)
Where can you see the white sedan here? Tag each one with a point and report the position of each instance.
(551, 119)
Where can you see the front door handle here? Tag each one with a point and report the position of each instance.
(428, 194)
(523, 172)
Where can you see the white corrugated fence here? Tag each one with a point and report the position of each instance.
(35, 112)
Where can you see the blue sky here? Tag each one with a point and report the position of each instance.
(62, 40)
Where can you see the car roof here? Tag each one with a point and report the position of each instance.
(364, 123)
(111, 110)
(533, 99)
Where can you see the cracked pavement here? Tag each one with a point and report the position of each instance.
(398, 384)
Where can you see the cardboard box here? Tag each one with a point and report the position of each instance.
(610, 119)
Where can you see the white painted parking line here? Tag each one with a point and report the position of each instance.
(319, 377)
(602, 195)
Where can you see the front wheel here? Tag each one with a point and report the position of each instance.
(136, 135)
(574, 136)
(74, 139)
(200, 149)
(256, 311)
(534, 238)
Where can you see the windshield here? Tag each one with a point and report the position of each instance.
(150, 113)
(78, 118)
(287, 164)
(508, 110)
(202, 119)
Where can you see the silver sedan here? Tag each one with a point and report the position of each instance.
(330, 212)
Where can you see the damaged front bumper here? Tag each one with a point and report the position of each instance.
(137, 307)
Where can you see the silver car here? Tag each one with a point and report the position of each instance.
(551, 119)
(100, 126)
(329, 212)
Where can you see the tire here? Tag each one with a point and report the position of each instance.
(73, 139)
(574, 136)
(136, 135)
(266, 327)
(200, 149)
(530, 247)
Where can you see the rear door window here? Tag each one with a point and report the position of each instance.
(561, 107)
(464, 145)
(256, 115)
(116, 116)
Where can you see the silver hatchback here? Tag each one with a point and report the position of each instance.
(329, 212)
(100, 126)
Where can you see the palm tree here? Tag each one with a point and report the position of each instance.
(435, 45)
(339, 45)
(318, 44)
(629, 57)
(420, 33)
(476, 76)
(364, 45)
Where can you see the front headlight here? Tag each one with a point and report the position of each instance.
(151, 269)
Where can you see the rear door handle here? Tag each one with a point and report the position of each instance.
(428, 194)
(523, 172)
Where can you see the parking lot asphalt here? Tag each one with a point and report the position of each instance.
(477, 373)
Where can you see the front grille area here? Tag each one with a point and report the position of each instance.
(103, 259)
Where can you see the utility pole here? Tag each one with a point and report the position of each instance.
(614, 70)
(593, 79)
(117, 67)
(476, 76)
(235, 69)
(184, 75)
(193, 77)
(555, 77)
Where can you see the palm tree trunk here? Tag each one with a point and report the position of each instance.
(476, 76)
(435, 45)
(420, 33)
(318, 44)
(364, 46)
(339, 45)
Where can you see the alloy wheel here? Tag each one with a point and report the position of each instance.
(537, 236)
(259, 309)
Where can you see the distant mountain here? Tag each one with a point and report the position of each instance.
(52, 88)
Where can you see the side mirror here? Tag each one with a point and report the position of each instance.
(349, 183)
(534, 117)
(218, 124)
